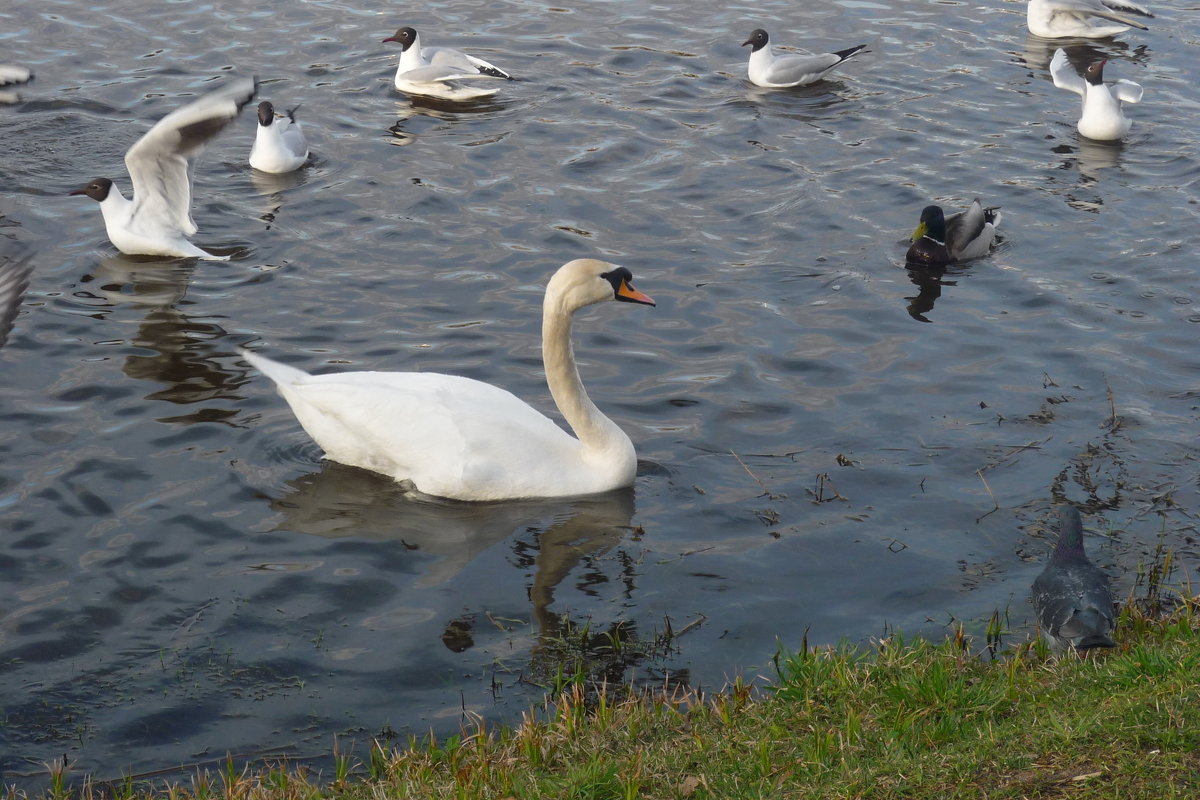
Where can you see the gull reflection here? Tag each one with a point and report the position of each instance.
(181, 351)
(272, 185)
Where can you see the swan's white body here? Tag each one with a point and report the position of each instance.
(279, 143)
(463, 439)
(435, 71)
(780, 72)
(1088, 19)
(158, 220)
(1102, 117)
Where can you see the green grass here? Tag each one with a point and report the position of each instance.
(894, 720)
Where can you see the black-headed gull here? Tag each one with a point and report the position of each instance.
(158, 220)
(433, 71)
(1102, 118)
(779, 72)
(1071, 597)
(939, 240)
(15, 269)
(279, 144)
(1088, 19)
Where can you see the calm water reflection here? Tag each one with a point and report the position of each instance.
(181, 576)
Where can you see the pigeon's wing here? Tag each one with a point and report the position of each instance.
(1064, 75)
(15, 269)
(1127, 91)
(160, 162)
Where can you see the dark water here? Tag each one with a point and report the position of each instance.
(182, 577)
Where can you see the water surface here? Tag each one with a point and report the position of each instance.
(828, 443)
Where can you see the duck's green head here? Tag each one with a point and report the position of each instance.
(932, 224)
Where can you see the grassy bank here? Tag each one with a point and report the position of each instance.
(911, 720)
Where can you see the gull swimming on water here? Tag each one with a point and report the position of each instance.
(1087, 19)
(434, 71)
(779, 72)
(463, 439)
(1071, 596)
(279, 144)
(1102, 118)
(158, 220)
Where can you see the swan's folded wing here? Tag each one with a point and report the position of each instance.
(1127, 91)
(1064, 75)
(159, 162)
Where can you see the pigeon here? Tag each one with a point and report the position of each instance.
(1103, 118)
(779, 72)
(435, 71)
(1087, 19)
(939, 240)
(279, 144)
(158, 220)
(1071, 596)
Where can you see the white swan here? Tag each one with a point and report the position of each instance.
(463, 439)
(1102, 117)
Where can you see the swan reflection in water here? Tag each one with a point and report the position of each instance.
(551, 539)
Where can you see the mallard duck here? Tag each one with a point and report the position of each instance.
(779, 72)
(1088, 19)
(463, 439)
(1071, 596)
(939, 240)
(1102, 118)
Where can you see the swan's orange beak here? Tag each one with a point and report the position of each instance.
(632, 295)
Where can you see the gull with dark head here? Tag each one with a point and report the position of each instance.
(158, 220)
(436, 71)
(1102, 117)
(279, 143)
(780, 72)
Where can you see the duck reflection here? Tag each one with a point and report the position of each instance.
(929, 282)
(183, 355)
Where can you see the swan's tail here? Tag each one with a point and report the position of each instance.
(282, 374)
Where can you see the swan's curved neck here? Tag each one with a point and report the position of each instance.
(595, 431)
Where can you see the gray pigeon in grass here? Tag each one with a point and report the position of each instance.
(1071, 596)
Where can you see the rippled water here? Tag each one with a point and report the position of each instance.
(822, 434)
